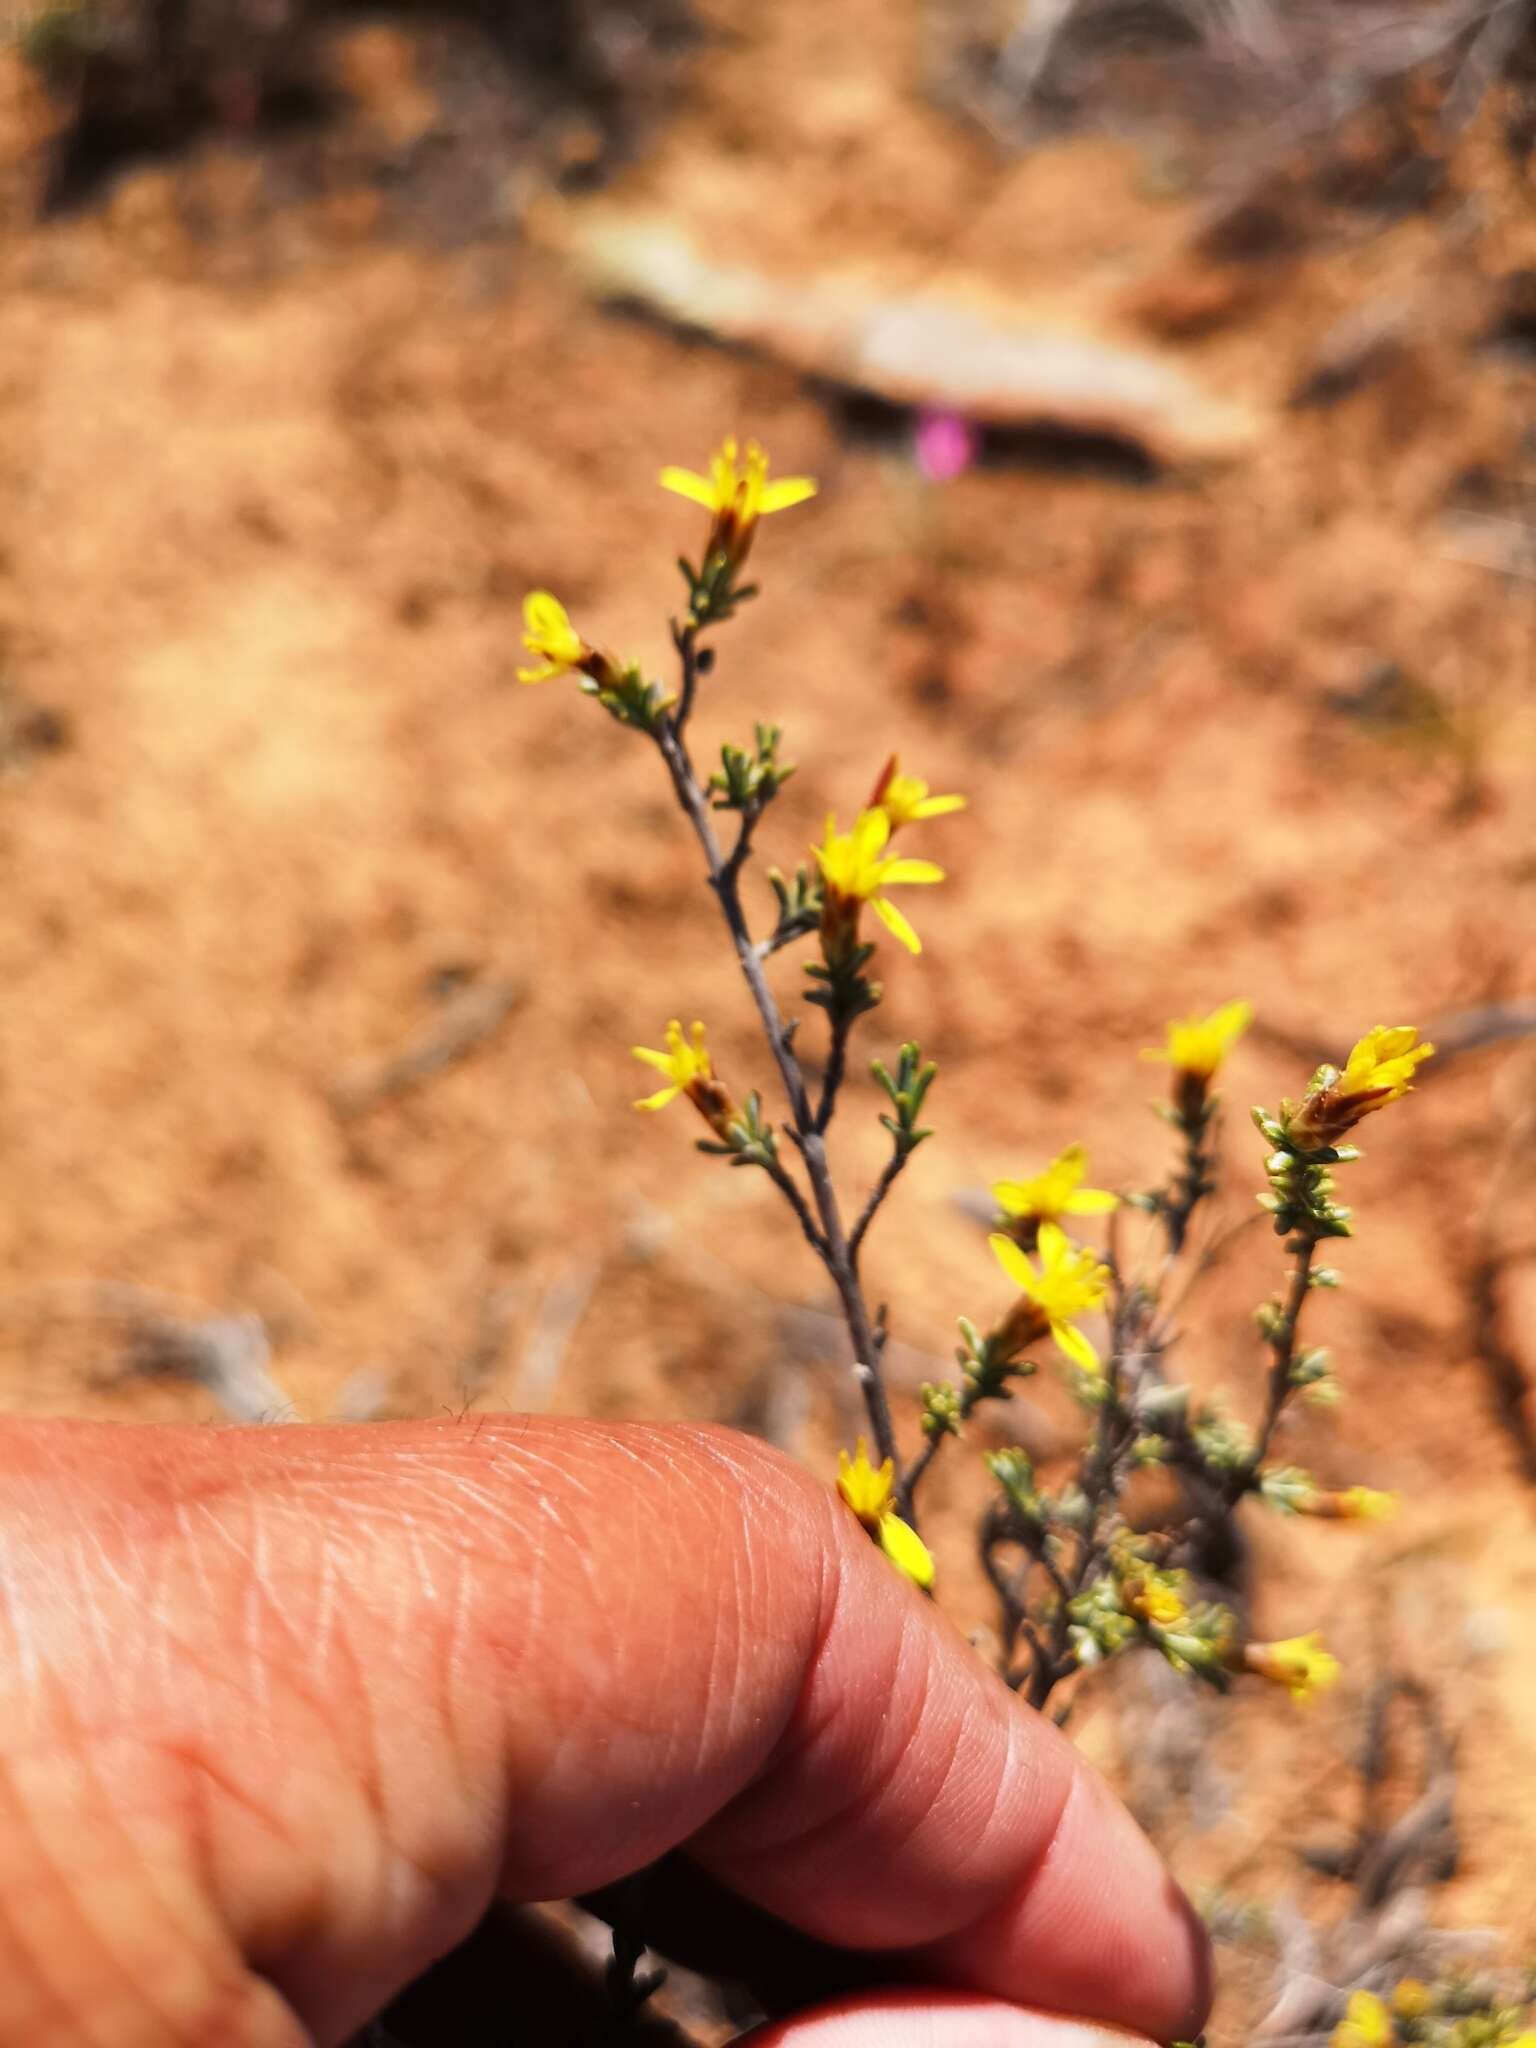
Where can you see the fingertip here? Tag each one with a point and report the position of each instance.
(931, 2019)
(1095, 1927)
(918, 1805)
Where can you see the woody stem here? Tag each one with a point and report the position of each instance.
(833, 1249)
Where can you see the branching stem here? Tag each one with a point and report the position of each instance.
(877, 1195)
(1193, 1180)
(825, 1234)
(1283, 1348)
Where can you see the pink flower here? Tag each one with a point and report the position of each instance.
(945, 445)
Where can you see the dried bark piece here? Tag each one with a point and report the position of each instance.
(949, 342)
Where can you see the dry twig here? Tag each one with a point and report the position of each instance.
(470, 1017)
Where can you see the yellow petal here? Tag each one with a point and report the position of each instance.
(689, 484)
(938, 806)
(661, 1061)
(1014, 1197)
(789, 490)
(660, 1099)
(1231, 1020)
(1090, 1202)
(906, 1550)
(1054, 1243)
(895, 923)
(1393, 1040)
(1367, 1504)
(543, 614)
(722, 471)
(900, 871)
(870, 833)
(1366, 2020)
(540, 675)
(866, 1488)
(1070, 1339)
(1012, 1260)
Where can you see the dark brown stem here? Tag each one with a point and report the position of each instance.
(923, 1460)
(686, 640)
(1192, 1183)
(877, 1195)
(837, 1066)
(830, 1242)
(1099, 1480)
(803, 1216)
(969, 1400)
(1283, 1349)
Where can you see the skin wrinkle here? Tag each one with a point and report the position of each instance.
(755, 1547)
(722, 1850)
(1057, 1921)
(394, 1882)
(405, 1874)
(372, 1499)
(400, 1870)
(982, 1847)
(978, 1820)
(82, 1552)
(573, 1731)
(692, 1734)
(1061, 1924)
(822, 1734)
(247, 1680)
(464, 1756)
(21, 1648)
(141, 1881)
(722, 1685)
(18, 1978)
(897, 1838)
(266, 1634)
(331, 1587)
(673, 1456)
(831, 1589)
(99, 1668)
(790, 1742)
(865, 1802)
(34, 1969)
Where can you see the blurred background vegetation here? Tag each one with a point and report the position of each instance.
(326, 331)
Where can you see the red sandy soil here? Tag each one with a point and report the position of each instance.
(275, 480)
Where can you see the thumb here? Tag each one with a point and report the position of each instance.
(914, 2019)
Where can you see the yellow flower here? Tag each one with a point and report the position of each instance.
(548, 633)
(1198, 1045)
(1383, 1062)
(871, 1491)
(905, 799)
(1300, 1664)
(1412, 2000)
(1055, 1193)
(738, 493)
(1366, 2023)
(1071, 1281)
(1367, 1504)
(1380, 1068)
(689, 1072)
(1353, 1504)
(856, 869)
(1158, 1601)
(868, 1489)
